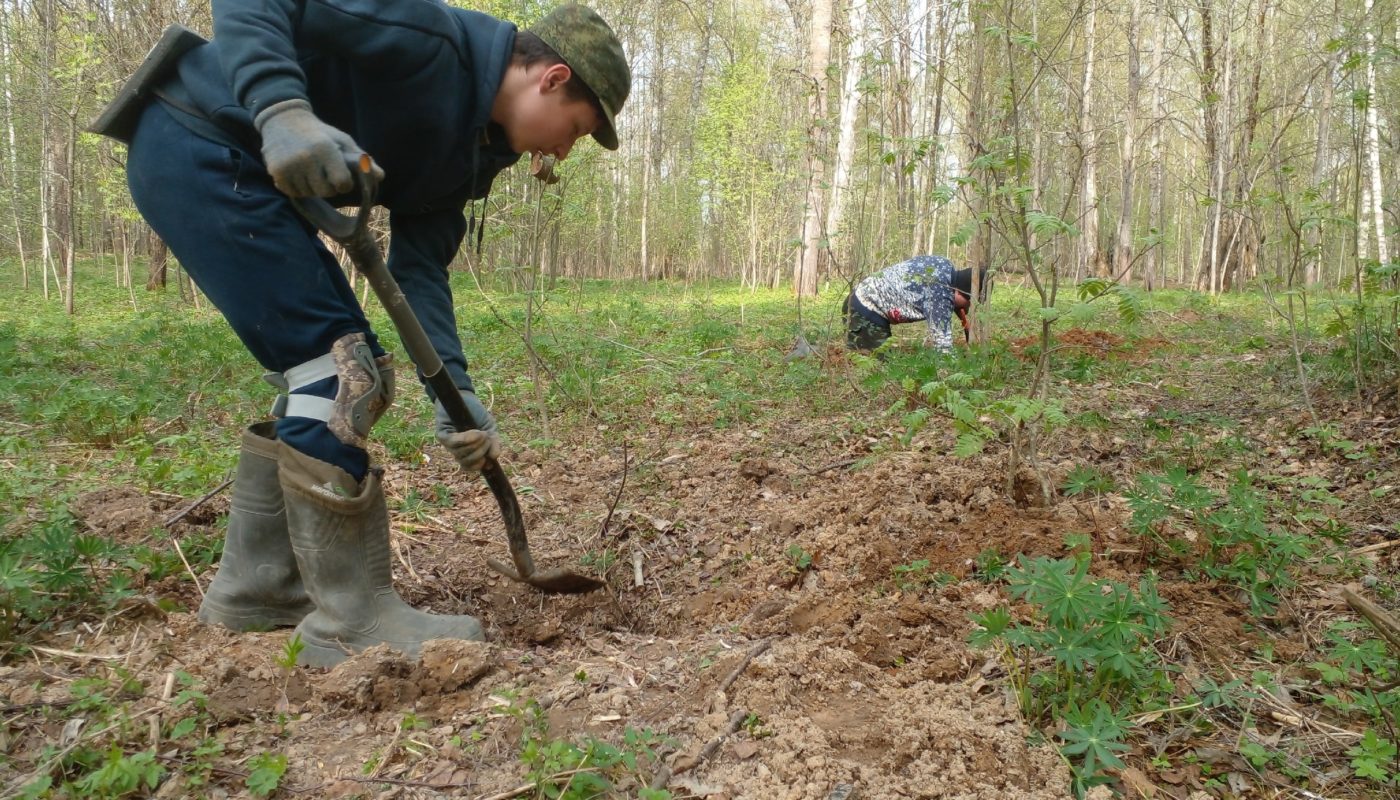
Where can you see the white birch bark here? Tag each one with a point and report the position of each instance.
(804, 276)
(12, 162)
(850, 106)
(1127, 149)
(1156, 215)
(1373, 148)
(1086, 263)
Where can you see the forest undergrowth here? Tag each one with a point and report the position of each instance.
(1179, 568)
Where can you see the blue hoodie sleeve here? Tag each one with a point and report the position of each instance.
(259, 41)
(420, 248)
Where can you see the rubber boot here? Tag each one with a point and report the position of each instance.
(258, 585)
(340, 533)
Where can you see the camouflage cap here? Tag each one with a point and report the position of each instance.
(588, 45)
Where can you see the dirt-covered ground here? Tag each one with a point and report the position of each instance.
(753, 605)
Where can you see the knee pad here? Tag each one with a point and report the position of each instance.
(365, 391)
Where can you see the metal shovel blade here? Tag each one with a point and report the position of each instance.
(553, 581)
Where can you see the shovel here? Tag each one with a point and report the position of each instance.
(354, 235)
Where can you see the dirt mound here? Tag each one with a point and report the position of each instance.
(859, 573)
(1090, 342)
(826, 717)
(122, 514)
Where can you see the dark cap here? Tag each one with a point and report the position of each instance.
(588, 45)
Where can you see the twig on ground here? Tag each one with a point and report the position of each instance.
(1371, 548)
(398, 551)
(388, 751)
(36, 704)
(165, 695)
(622, 484)
(667, 771)
(190, 570)
(174, 518)
(56, 652)
(833, 465)
(1381, 620)
(664, 775)
(743, 665)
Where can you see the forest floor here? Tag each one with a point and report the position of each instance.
(795, 560)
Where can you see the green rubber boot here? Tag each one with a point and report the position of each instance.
(340, 533)
(258, 586)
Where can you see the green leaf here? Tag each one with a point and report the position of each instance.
(991, 626)
(267, 772)
(36, 788)
(959, 408)
(1096, 735)
(182, 728)
(1043, 224)
(969, 444)
(1093, 288)
(964, 233)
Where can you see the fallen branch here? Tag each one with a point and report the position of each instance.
(388, 752)
(58, 653)
(664, 775)
(1372, 548)
(1379, 618)
(622, 484)
(846, 462)
(734, 676)
(174, 518)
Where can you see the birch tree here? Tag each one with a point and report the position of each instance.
(1127, 149)
(1372, 136)
(1088, 261)
(809, 262)
(849, 109)
(1157, 187)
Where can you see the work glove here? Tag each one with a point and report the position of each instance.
(470, 448)
(305, 156)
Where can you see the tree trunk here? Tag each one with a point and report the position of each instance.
(1209, 114)
(944, 16)
(1156, 214)
(156, 277)
(1088, 260)
(1373, 147)
(12, 162)
(69, 224)
(1240, 259)
(846, 143)
(809, 261)
(1123, 251)
(979, 246)
(646, 198)
(1312, 269)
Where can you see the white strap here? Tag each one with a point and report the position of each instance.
(308, 373)
(309, 406)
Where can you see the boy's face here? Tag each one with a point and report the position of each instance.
(545, 120)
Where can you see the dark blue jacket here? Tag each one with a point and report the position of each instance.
(412, 81)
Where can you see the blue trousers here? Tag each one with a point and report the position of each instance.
(253, 255)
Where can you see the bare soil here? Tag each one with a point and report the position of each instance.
(858, 685)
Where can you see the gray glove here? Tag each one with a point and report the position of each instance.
(470, 448)
(305, 156)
